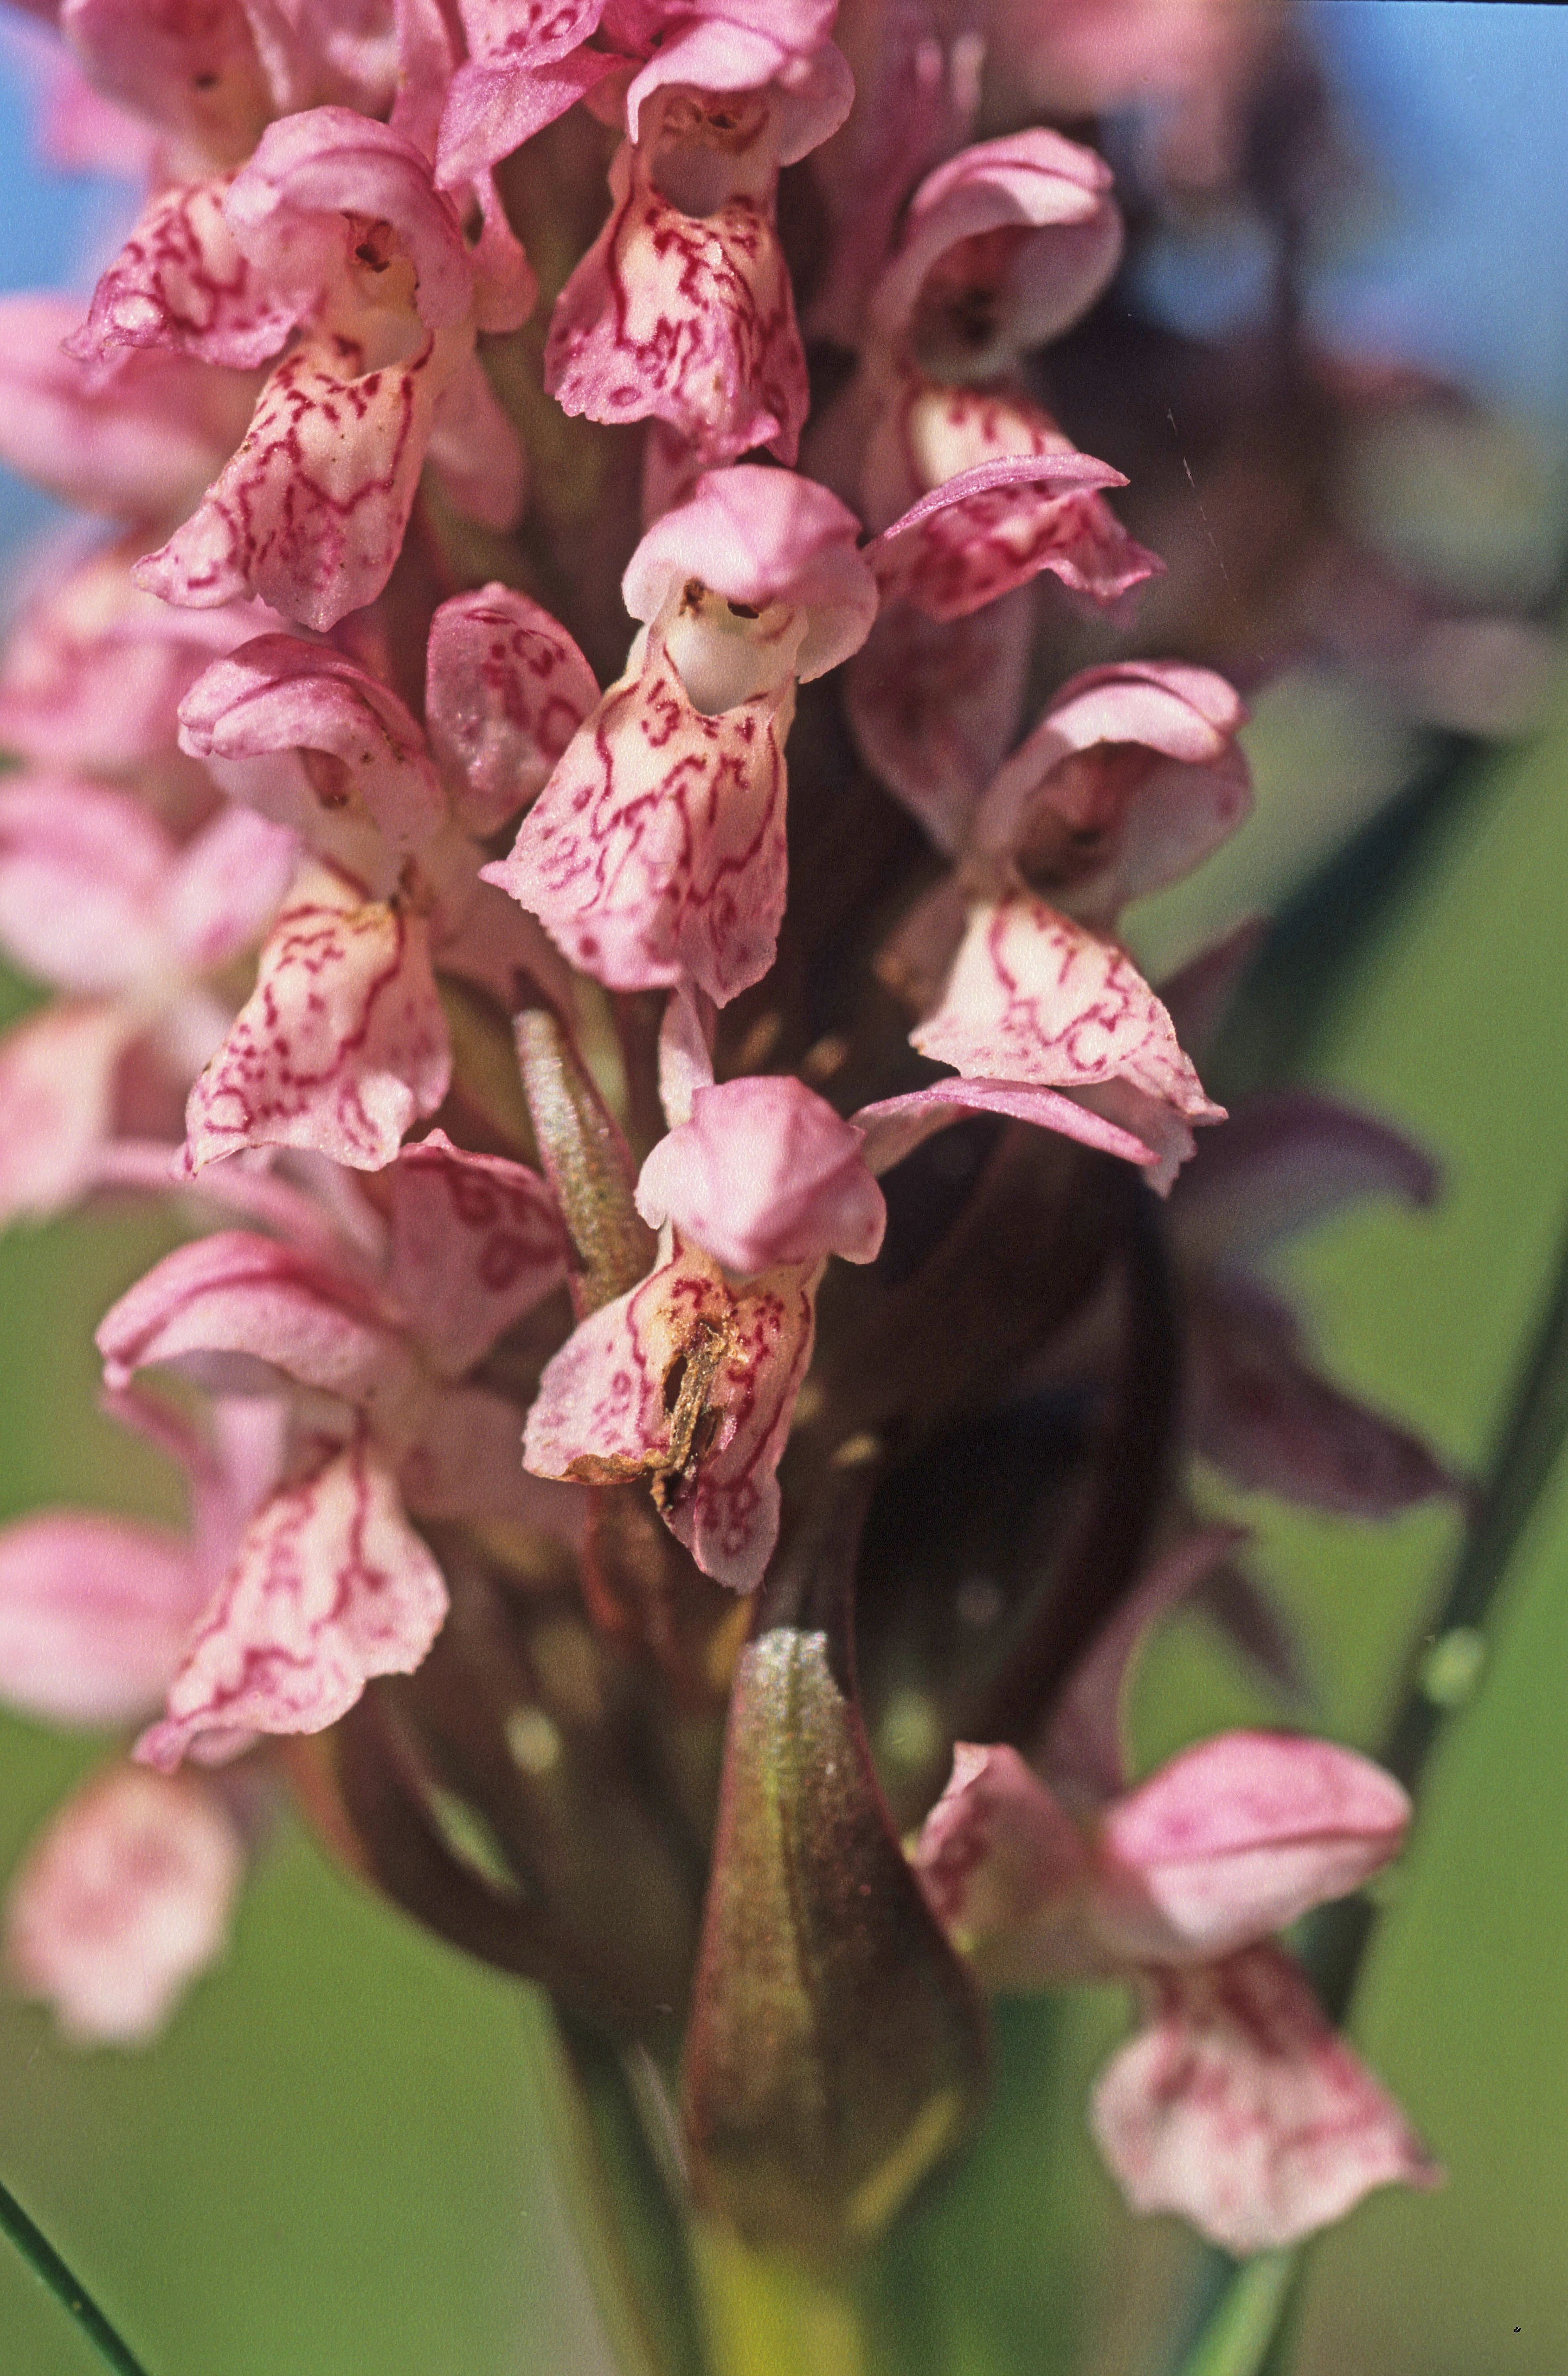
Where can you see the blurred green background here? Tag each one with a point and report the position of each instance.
(337, 2162)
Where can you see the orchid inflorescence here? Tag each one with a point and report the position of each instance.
(635, 1209)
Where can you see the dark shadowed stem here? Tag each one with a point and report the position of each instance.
(1243, 2324)
(74, 2299)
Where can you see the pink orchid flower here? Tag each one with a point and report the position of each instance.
(1235, 2104)
(331, 1584)
(97, 897)
(529, 60)
(656, 853)
(690, 1380)
(342, 1046)
(334, 236)
(1130, 778)
(126, 1894)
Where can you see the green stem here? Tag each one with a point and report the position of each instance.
(768, 2316)
(1249, 2309)
(74, 2299)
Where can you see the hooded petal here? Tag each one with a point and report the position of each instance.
(1240, 2107)
(330, 1586)
(1259, 1410)
(1129, 780)
(476, 1243)
(765, 1172)
(506, 690)
(122, 1901)
(761, 539)
(180, 283)
(142, 447)
(235, 1312)
(1020, 234)
(495, 104)
(330, 738)
(1033, 997)
(690, 1382)
(310, 512)
(340, 1047)
(93, 1612)
(301, 208)
(657, 849)
(1237, 1837)
(687, 319)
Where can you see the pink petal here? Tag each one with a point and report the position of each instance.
(94, 671)
(93, 1612)
(1237, 1837)
(932, 706)
(194, 71)
(685, 1052)
(122, 1901)
(225, 888)
(765, 1172)
(760, 537)
(142, 447)
(310, 512)
(330, 1586)
(896, 1126)
(57, 1079)
(1259, 1411)
(476, 1243)
(329, 738)
(1051, 195)
(180, 283)
(1004, 1868)
(342, 1044)
(684, 318)
(82, 874)
(475, 452)
(657, 849)
(1035, 998)
(990, 529)
(606, 1404)
(1288, 1159)
(299, 207)
(1129, 780)
(235, 1312)
(737, 47)
(506, 690)
(1240, 2108)
(494, 105)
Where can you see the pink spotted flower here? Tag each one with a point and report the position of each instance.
(656, 853)
(332, 250)
(1234, 2103)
